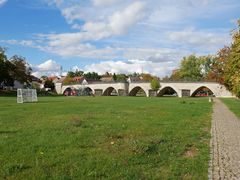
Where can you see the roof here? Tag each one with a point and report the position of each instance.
(35, 78)
(107, 79)
(53, 78)
(78, 78)
(61, 79)
(132, 79)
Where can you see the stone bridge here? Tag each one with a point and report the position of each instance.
(180, 89)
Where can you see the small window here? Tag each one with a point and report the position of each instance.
(185, 92)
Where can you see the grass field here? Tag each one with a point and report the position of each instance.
(105, 138)
(233, 104)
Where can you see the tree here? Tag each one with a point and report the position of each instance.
(114, 77)
(135, 74)
(155, 85)
(44, 77)
(218, 65)
(68, 80)
(176, 75)
(147, 77)
(22, 70)
(193, 68)
(92, 76)
(14, 69)
(4, 74)
(49, 84)
(70, 74)
(8, 74)
(190, 69)
(232, 71)
(206, 63)
(79, 73)
(121, 77)
(166, 78)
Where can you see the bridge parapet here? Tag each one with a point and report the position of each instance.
(125, 88)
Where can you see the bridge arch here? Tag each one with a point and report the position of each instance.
(110, 91)
(202, 91)
(167, 91)
(68, 88)
(137, 90)
(67, 91)
(87, 91)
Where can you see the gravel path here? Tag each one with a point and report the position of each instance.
(225, 143)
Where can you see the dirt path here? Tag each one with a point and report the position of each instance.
(225, 163)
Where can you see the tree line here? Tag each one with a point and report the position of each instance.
(115, 77)
(224, 67)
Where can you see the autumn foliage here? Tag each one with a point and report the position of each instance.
(224, 67)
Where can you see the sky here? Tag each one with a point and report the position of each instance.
(116, 36)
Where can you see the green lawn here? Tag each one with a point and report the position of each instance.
(233, 104)
(105, 138)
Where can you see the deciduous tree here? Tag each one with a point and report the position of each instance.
(147, 77)
(232, 72)
(14, 69)
(155, 85)
(92, 76)
(22, 70)
(218, 65)
(49, 84)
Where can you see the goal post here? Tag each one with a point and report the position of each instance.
(26, 95)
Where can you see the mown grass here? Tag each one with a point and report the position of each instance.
(104, 138)
(233, 104)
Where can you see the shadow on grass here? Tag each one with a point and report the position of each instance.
(15, 168)
(8, 132)
(46, 102)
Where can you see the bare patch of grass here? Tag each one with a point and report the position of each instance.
(190, 152)
(76, 121)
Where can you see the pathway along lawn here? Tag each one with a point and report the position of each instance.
(105, 137)
(233, 104)
(225, 143)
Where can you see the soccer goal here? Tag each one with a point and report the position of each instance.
(26, 95)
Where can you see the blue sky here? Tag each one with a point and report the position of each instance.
(121, 36)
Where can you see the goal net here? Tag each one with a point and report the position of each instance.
(26, 95)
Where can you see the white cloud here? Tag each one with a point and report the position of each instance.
(131, 66)
(81, 50)
(153, 31)
(18, 42)
(75, 68)
(49, 68)
(49, 65)
(199, 38)
(155, 54)
(117, 24)
(104, 2)
(121, 21)
(2, 2)
(76, 44)
(144, 18)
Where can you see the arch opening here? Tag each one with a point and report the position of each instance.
(202, 91)
(138, 91)
(110, 91)
(167, 92)
(69, 92)
(87, 91)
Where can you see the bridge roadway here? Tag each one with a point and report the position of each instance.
(131, 89)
